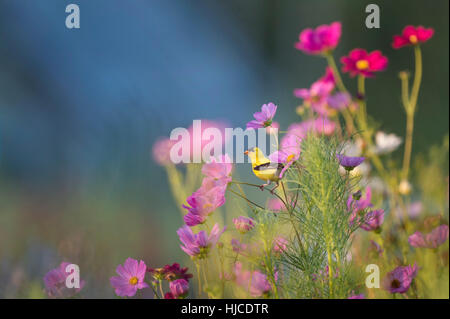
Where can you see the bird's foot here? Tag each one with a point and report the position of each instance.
(261, 187)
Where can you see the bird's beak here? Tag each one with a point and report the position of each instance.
(246, 152)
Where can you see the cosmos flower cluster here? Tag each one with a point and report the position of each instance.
(249, 260)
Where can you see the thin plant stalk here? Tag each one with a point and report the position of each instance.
(410, 108)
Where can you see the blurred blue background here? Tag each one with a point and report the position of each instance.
(81, 108)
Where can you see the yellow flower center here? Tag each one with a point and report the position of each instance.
(133, 281)
(207, 205)
(362, 64)
(413, 39)
(290, 158)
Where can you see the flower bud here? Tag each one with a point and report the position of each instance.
(179, 288)
(405, 187)
(243, 224)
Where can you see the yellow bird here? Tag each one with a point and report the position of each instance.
(263, 168)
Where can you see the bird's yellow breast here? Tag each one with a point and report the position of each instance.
(269, 174)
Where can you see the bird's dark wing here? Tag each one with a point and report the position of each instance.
(268, 165)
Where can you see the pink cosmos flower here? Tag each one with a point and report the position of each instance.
(237, 246)
(179, 288)
(161, 151)
(256, 282)
(321, 125)
(373, 220)
(198, 245)
(203, 203)
(359, 203)
(275, 204)
(200, 138)
(211, 193)
(399, 280)
(291, 141)
(280, 244)
(437, 237)
(263, 118)
(284, 158)
(55, 283)
(359, 62)
(320, 40)
(339, 100)
(218, 168)
(289, 145)
(412, 36)
(316, 96)
(243, 224)
(131, 278)
(250, 249)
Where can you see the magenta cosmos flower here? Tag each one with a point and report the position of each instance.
(373, 220)
(412, 35)
(170, 272)
(320, 40)
(349, 162)
(399, 280)
(131, 278)
(356, 204)
(360, 62)
(55, 283)
(437, 237)
(263, 118)
(328, 77)
(198, 245)
(179, 288)
(243, 224)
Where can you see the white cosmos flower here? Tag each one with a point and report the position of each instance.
(386, 143)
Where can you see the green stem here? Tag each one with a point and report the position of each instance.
(243, 197)
(197, 266)
(410, 111)
(362, 121)
(340, 84)
(291, 218)
(161, 289)
(337, 75)
(155, 292)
